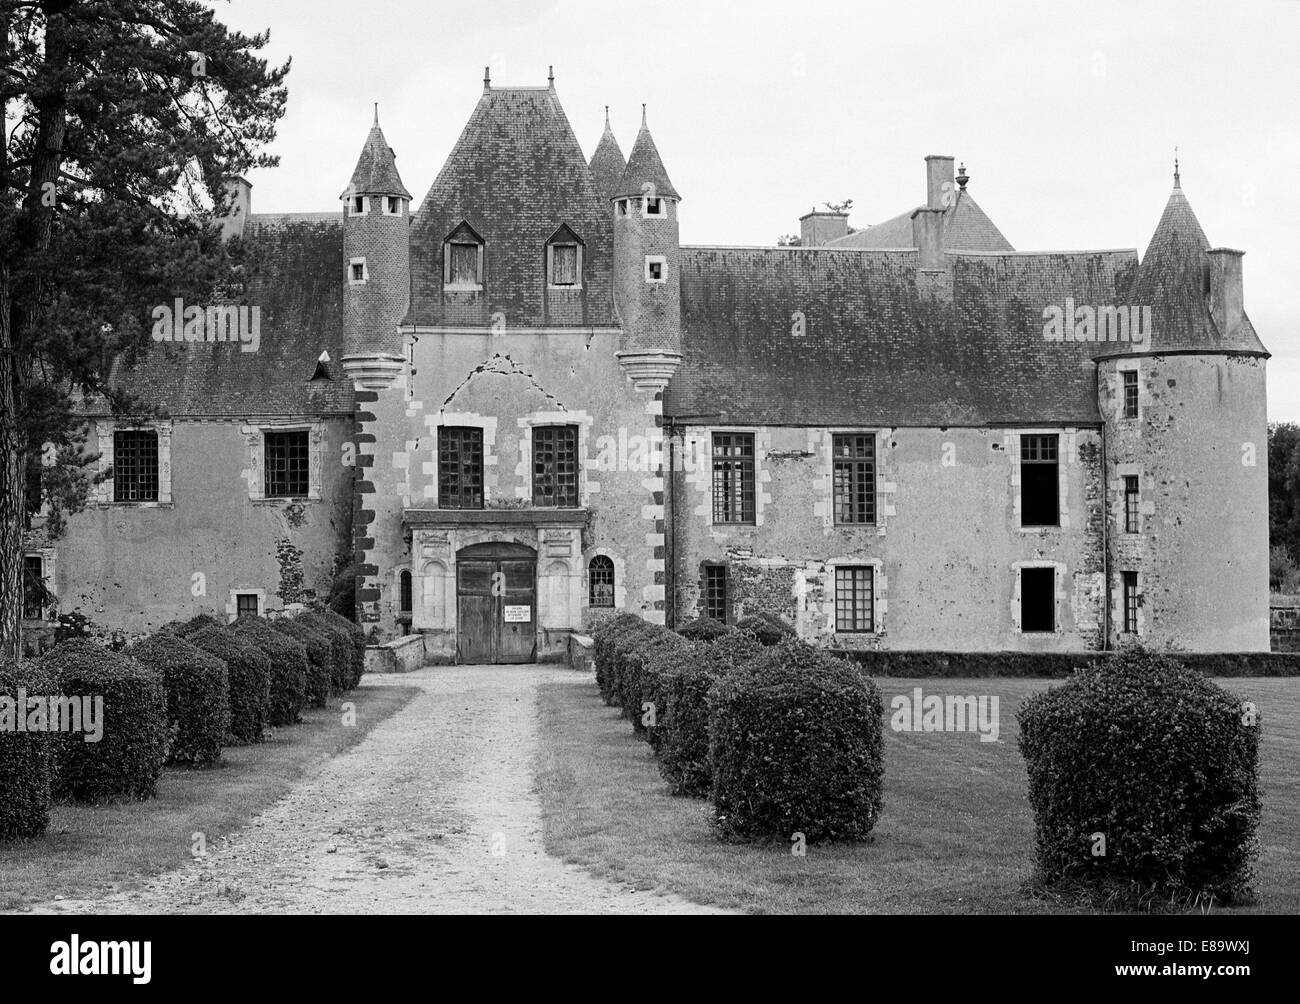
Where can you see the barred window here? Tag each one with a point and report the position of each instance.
(600, 579)
(460, 467)
(555, 465)
(1130, 602)
(1039, 485)
(286, 463)
(1131, 498)
(733, 477)
(854, 598)
(1130, 394)
(135, 466)
(715, 593)
(245, 605)
(855, 478)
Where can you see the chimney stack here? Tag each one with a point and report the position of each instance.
(927, 235)
(818, 229)
(239, 194)
(940, 192)
(1225, 290)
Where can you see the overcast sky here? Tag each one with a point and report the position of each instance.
(1065, 114)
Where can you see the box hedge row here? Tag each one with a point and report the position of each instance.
(320, 658)
(26, 758)
(198, 695)
(289, 671)
(249, 673)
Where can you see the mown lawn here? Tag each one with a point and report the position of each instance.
(956, 835)
(89, 850)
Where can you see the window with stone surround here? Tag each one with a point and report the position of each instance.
(1130, 378)
(1040, 503)
(1037, 600)
(1130, 581)
(555, 466)
(247, 605)
(715, 593)
(135, 465)
(854, 460)
(600, 581)
(1131, 500)
(286, 456)
(855, 598)
(733, 477)
(460, 467)
(36, 595)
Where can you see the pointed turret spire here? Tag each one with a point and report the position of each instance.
(376, 170)
(1177, 182)
(607, 163)
(644, 166)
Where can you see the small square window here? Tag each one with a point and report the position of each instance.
(357, 271)
(246, 605)
(654, 207)
(655, 270)
(359, 205)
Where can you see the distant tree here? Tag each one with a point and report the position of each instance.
(1284, 489)
(121, 119)
(789, 241)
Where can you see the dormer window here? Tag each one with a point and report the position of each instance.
(360, 205)
(564, 260)
(462, 259)
(392, 205)
(653, 207)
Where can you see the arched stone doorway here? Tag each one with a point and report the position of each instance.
(496, 603)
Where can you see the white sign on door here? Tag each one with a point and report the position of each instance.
(518, 615)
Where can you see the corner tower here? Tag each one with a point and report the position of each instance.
(647, 274)
(1187, 450)
(376, 264)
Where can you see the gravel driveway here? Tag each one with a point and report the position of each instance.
(432, 812)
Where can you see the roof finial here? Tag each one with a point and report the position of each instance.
(376, 114)
(487, 78)
(962, 177)
(550, 77)
(642, 114)
(1177, 182)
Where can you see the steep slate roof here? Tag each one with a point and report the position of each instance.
(645, 166)
(877, 350)
(607, 163)
(376, 170)
(293, 272)
(515, 175)
(1172, 282)
(965, 228)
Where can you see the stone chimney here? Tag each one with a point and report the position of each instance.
(927, 234)
(1225, 290)
(819, 229)
(940, 191)
(239, 193)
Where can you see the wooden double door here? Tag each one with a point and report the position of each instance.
(496, 604)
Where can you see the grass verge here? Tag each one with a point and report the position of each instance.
(956, 835)
(91, 850)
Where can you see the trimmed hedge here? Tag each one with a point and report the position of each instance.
(1159, 761)
(341, 649)
(198, 695)
(358, 640)
(639, 671)
(683, 738)
(288, 668)
(1050, 665)
(249, 673)
(200, 622)
(767, 628)
(604, 636)
(796, 738)
(320, 657)
(26, 758)
(126, 761)
(704, 629)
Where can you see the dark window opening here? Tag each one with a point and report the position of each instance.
(654, 207)
(358, 204)
(460, 467)
(245, 605)
(135, 466)
(358, 271)
(1130, 394)
(1130, 602)
(35, 593)
(1131, 503)
(404, 593)
(1037, 599)
(854, 599)
(1039, 485)
(855, 478)
(600, 579)
(394, 206)
(286, 464)
(715, 593)
(655, 269)
(733, 477)
(555, 465)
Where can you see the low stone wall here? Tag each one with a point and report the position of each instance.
(401, 655)
(581, 653)
(1284, 622)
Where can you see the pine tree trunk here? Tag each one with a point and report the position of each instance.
(12, 488)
